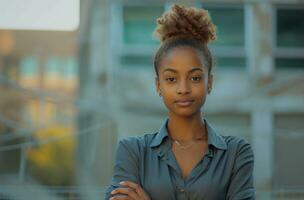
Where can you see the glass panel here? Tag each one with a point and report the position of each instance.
(137, 61)
(139, 24)
(290, 27)
(230, 25)
(288, 138)
(29, 67)
(230, 62)
(289, 62)
(70, 68)
(52, 66)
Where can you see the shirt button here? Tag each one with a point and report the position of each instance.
(182, 190)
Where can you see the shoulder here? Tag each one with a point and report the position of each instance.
(136, 144)
(235, 141)
(238, 146)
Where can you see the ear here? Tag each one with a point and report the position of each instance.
(157, 85)
(210, 81)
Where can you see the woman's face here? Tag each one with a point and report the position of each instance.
(183, 81)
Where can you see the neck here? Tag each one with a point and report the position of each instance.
(186, 129)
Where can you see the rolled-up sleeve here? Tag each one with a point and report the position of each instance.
(125, 167)
(241, 182)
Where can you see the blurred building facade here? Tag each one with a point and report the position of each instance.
(99, 81)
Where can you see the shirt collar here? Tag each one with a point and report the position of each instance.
(214, 138)
(162, 133)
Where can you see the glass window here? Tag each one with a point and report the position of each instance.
(288, 161)
(290, 27)
(230, 25)
(139, 23)
(137, 61)
(290, 62)
(230, 62)
(29, 67)
(70, 68)
(52, 66)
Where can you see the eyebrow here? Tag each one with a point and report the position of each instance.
(196, 69)
(175, 71)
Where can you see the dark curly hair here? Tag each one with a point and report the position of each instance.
(185, 26)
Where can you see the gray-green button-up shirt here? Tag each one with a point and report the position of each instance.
(224, 172)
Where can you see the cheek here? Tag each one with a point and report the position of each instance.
(168, 97)
(199, 90)
(200, 93)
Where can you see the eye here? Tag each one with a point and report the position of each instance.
(196, 78)
(171, 79)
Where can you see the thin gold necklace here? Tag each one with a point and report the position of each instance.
(184, 146)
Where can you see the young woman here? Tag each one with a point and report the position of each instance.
(186, 158)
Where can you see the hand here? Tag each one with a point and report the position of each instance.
(131, 191)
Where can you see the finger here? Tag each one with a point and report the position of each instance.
(127, 191)
(120, 197)
(131, 184)
(141, 193)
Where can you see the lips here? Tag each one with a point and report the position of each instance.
(184, 103)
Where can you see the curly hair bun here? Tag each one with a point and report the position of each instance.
(180, 22)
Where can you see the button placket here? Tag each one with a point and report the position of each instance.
(182, 190)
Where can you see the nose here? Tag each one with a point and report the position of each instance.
(183, 87)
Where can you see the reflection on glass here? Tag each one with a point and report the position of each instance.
(230, 62)
(290, 63)
(137, 61)
(29, 67)
(139, 23)
(290, 27)
(230, 25)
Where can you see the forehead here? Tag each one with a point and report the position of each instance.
(182, 59)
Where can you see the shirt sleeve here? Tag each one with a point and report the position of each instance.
(241, 183)
(125, 167)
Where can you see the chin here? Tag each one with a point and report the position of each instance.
(185, 113)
